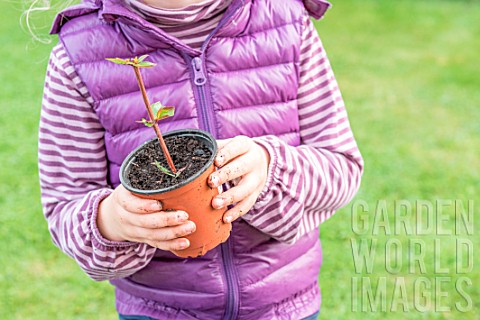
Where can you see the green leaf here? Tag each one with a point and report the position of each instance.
(145, 64)
(165, 112)
(118, 60)
(142, 58)
(135, 62)
(156, 107)
(163, 169)
(162, 112)
(146, 122)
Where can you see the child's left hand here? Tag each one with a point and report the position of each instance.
(242, 158)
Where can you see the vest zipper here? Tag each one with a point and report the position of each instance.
(206, 113)
(233, 294)
(206, 116)
(201, 90)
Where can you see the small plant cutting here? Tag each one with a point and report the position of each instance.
(149, 171)
(156, 111)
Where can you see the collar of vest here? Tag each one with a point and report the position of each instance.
(112, 10)
(137, 29)
(316, 8)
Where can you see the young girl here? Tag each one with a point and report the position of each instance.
(255, 75)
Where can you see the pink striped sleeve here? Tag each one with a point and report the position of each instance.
(73, 170)
(306, 184)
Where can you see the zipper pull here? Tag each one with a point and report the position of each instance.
(197, 65)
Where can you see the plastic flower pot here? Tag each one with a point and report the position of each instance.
(192, 195)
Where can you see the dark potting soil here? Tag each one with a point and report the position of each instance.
(188, 154)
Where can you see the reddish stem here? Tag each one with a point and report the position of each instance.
(152, 119)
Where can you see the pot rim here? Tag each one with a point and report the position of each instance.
(182, 132)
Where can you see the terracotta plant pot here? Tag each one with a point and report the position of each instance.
(192, 195)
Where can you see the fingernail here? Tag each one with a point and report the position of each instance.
(214, 181)
(156, 206)
(228, 219)
(190, 227)
(218, 203)
(220, 159)
(182, 216)
(185, 244)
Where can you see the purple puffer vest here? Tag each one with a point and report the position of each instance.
(244, 80)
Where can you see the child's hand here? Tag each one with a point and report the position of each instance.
(125, 217)
(241, 158)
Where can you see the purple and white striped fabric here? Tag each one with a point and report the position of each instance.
(192, 24)
(305, 186)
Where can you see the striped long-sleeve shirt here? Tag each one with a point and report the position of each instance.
(305, 184)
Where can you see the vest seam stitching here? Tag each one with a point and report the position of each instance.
(258, 105)
(255, 68)
(140, 128)
(86, 28)
(103, 59)
(136, 91)
(293, 22)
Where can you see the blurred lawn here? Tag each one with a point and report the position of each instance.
(409, 72)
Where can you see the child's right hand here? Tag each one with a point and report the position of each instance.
(125, 217)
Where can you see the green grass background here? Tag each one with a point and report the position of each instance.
(410, 75)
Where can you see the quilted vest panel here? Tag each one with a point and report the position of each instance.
(252, 68)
